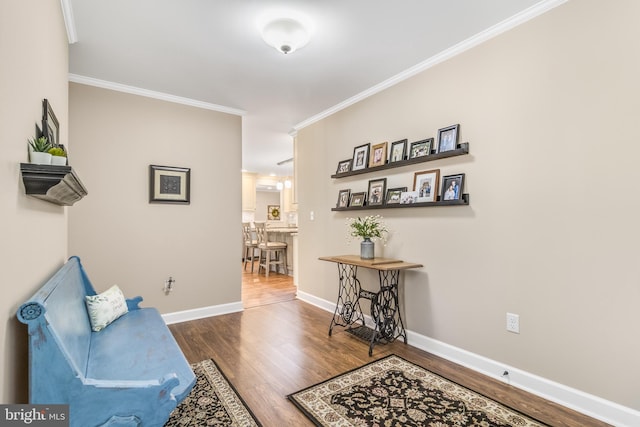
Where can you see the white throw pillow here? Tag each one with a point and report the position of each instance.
(106, 307)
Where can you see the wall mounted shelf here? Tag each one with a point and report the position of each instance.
(55, 184)
(461, 150)
(461, 202)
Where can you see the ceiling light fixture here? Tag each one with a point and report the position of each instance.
(285, 34)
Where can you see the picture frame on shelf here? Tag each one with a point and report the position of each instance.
(169, 184)
(398, 151)
(448, 138)
(377, 189)
(452, 186)
(408, 197)
(343, 198)
(393, 195)
(273, 212)
(425, 183)
(420, 148)
(344, 166)
(360, 157)
(358, 199)
(378, 155)
(50, 125)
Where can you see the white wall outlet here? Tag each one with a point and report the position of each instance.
(513, 323)
(312, 216)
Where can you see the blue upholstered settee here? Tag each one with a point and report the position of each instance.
(130, 373)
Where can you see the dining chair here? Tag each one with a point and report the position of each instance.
(271, 253)
(250, 244)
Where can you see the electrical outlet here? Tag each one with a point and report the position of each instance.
(513, 323)
(312, 216)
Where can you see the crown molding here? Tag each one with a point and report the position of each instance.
(69, 21)
(90, 81)
(509, 23)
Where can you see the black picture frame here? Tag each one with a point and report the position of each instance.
(344, 166)
(343, 198)
(420, 148)
(169, 184)
(50, 125)
(358, 199)
(360, 157)
(398, 151)
(454, 193)
(448, 138)
(377, 191)
(393, 195)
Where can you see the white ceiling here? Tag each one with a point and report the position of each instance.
(211, 51)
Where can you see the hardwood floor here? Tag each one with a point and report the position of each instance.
(259, 290)
(272, 350)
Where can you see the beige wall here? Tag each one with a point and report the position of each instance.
(550, 111)
(33, 48)
(121, 237)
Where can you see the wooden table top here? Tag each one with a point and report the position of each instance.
(376, 263)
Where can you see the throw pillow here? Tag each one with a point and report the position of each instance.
(106, 307)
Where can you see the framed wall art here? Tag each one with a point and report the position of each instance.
(420, 148)
(360, 157)
(393, 195)
(273, 212)
(448, 138)
(398, 151)
(343, 198)
(344, 166)
(377, 189)
(425, 183)
(358, 199)
(452, 187)
(378, 155)
(50, 126)
(168, 184)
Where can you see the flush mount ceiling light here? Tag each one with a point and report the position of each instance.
(285, 34)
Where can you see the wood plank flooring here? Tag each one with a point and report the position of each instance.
(269, 351)
(259, 290)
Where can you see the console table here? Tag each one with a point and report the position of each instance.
(385, 309)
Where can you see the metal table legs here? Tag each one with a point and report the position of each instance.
(385, 310)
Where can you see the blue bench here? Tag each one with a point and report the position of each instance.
(131, 373)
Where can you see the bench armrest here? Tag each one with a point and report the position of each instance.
(133, 303)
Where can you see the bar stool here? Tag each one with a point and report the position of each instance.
(267, 249)
(250, 244)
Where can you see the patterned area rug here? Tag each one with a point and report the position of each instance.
(393, 392)
(212, 402)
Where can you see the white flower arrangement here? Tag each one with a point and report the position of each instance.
(369, 227)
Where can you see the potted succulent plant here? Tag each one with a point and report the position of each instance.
(59, 156)
(39, 153)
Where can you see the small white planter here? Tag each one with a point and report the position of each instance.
(59, 160)
(39, 158)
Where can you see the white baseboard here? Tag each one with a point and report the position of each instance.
(590, 405)
(201, 313)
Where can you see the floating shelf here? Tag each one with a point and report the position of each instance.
(461, 202)
(55, 184)
(461, 150)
